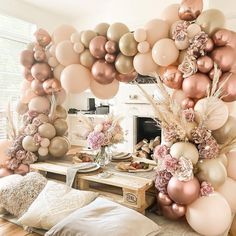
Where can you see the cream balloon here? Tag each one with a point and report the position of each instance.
(212, 171)
(52, 50)
(43, 118)
(29, 144)
(75, 37)
(43, 151)
(182, 44)
(231, 167)
(75, 78)
(228, 191)
(102, 91)
(101, 29)
(60, 126)
(57, 71)
(193, 30)
(223, 159)
(78, 47)
(60, 112)
(214, 110)
(171, 13)
(52, 61)
(226, 132)
(209, 215)
(39, 104)
(144, 64)
(164, 52)
(45, 142)
(140, 35)
(187, 150)
(65, 53)
(143, 47)
(62, 33)
(47, 130)
(58, 147)
(156, 29)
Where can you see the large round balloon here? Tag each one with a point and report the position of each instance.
(103, 72)
(211, 20)
(97, 47)
(27, 58)
(171, 13)
(156, 29)
(102, 91)
(5, 144)
(87, 36)
(65, 53)
(116, 31)
(124, 64)
(39, 104)
(63, 33)
(101, 29)
(87, 59)
(205, 215)
(75, 78)
(164, 52)
(29, 144)
(58, 146)
(128, 45)
(190, 9)
(144, 64)
(41, 71)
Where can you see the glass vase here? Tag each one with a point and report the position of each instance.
(103, 156)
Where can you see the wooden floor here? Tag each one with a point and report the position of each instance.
(9, 229)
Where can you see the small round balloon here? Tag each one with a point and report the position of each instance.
(128, 45)
(58, 147)
(97, 47)
(124, 64)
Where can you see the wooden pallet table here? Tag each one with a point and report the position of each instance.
(129, 190)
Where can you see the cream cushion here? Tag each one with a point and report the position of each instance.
(53, 204)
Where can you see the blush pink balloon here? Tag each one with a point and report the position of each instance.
(25, 85)
(169, 213)
(228, 81)
(187, 103)
(163, 199)
(183, 192)
(27, 58)
(225, 37)
(172, 77)
(126, 78)
(41, 71)
(209, 46)
(179, 210)
(196, 85)
(110, 58)
(5, 144)
(103, 73)
(37, 87)
(27, 74)
(111, 47)
(22, 169)
(204, 64)
(97, 47)
(106, 91)
(5, 172)
(39, 55)
(51, 86)
(42, 37)
(27, 96)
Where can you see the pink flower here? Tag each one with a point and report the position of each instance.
(37, 122)
(30, 158)
(162, 179)
(106, 125)
(37, 138)
(161, 151)
(189, 114)
(13, 164)
(170, 164)
(20, 155)
(95, 140)
(206, 189)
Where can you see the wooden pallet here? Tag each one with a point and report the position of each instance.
(131, 191)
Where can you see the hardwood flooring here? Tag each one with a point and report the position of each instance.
(10, 229)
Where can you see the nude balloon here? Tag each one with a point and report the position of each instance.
(190, 9)
(5, 172)
(39, 104)
(187, 103)
(27, 74)
(65, 53)
(102, 91)
(27, 58)
(171, 13)
(178, 96)
(172, 77)
(21, 108)
(196, 85)
(41, 71)
(27, 96)
(140, 35)
(53, 62)
(156, 29)
(143, 47)
(75, 78)
(57, 71)
(62, 33)
(127, 77)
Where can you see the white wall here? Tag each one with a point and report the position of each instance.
(24, 11)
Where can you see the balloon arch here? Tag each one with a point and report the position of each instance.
(192, 53)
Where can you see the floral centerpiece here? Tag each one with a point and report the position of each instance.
(192, 176)
(104, 135)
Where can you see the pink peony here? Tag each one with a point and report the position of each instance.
(95, 140)
(170, 164)
(161, 151)
(206, 189)
(162, 179)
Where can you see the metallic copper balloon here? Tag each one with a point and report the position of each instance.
(172, 77)
(27, 74)
(39, 55)
(42, 37)
(37, 47)
(27, 58)
(225, 58)
(103, 73)
(209, 46)
(179, 210)
(110, 58)
(225, 37)
(183, 192)
(37, 87)
(169, 213)
(228, 81)
(204, 64)
(52, 86)
(190, 9)
(163, 199)
(212, 73)
(187, 103)
(196, 85)
(41, 71)
(127, 77)
(97, 47)
(111, 46)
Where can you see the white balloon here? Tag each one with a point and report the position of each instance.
(43, 151)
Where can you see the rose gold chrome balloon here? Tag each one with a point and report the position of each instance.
(42, 37)
(212, 72)
(41, 71)
(27, 74)
(179, 210)
(52, 86)
(127, 77)
(169, 213)
(190, 9)
(163, 199)
(97, 47)
(37, 87)
(209, 46)
(39, 55)
(172, 77)
(204, 64)
(110, 58)
(111, 47)
(187, 103)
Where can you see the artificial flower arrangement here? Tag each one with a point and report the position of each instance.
(103, 135)
(194, 177)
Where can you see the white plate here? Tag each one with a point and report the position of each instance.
(122, 157)
(141, 170)
(90, 170)
(86, 165)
